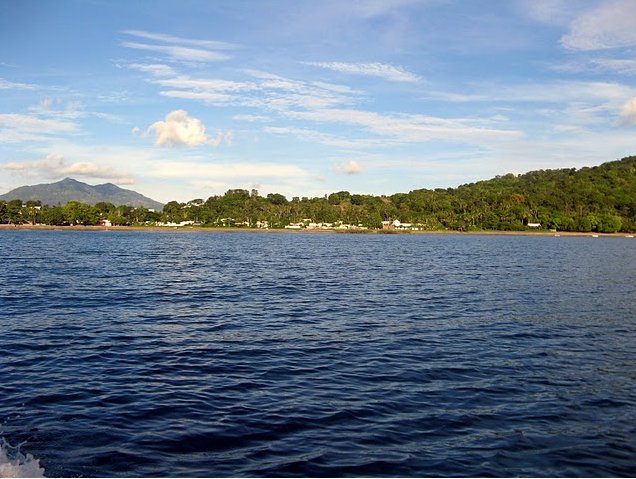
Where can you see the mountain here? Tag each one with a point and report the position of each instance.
(69, 189)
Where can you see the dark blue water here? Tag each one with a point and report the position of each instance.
(238, 354)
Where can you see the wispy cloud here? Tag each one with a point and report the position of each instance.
(323, 138)
(610, 25)
(58, 109)
(409, 128)
(624, 66)
(203, 84)
(263, 90)
(164, 38)
(9, 85)
(177, 48)
(56, 166)
(16, 128)
(207, 90)
(155, 69)
(204, 96)
(176, 52)
(561, 92)
(381, 70)
(252, 118)
(35, 124)
(319, 103)
(180, 129)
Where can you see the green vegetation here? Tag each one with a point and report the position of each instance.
(74, 213)
(68, 189)
(599, 199)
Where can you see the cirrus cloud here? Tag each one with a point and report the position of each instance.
(16, 127)
(155, 69)
(382, 70)
(177, 48)
(9, 85)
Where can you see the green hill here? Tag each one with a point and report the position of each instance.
(600, 198)
(68, 189)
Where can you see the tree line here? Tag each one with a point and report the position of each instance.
(596, 199)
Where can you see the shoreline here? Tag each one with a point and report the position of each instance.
(200, 229)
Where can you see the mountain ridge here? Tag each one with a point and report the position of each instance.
(70, 189)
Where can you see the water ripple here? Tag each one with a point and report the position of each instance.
(168, 354)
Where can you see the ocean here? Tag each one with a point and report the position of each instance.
(144, 353)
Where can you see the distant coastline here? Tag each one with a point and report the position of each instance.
(199, 229)
(596, 200)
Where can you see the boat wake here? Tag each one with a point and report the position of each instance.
(13, 463)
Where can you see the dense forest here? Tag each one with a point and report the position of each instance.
(600, 199)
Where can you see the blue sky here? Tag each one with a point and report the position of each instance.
(183, 100)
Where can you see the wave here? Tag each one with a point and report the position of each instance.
(13, 463)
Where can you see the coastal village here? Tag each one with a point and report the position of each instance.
(305, 224)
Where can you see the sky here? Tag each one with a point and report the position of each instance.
(181, 100)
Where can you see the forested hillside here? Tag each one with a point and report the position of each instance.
(601, 199)
(68, 189)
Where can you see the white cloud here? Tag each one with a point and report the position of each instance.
(163, 38)
(211, 91)
(8, 85)
(177, 52)
(307, 134)
(204, 96)
(350, 168)
(155, 69)
(16, 128)
(31, 123)
(252, 118)
(382, 70)
(91, 170)
(560, 92)
(268, 92)
(409, 128)
(49, 167)
(334, 87)
(185, 82)
(622, 66)
(180, 129)
(628, 113)
(612, 24)
(177, 48)
(57, 109)
(574, 103)
(55, 166)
